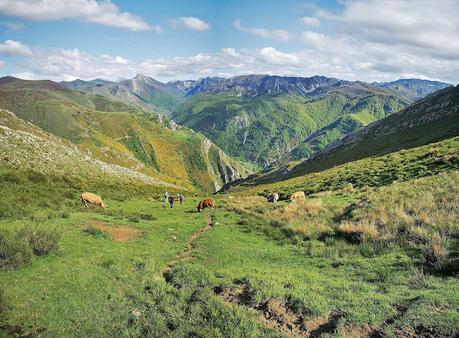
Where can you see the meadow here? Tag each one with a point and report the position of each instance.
(373, 262)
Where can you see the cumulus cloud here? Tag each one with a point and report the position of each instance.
(311, 21)
(274, 34)
(272, 56)
(118, 60)
(11, 47)
(190, 22)
(372, 62)
(101, 12)
(430, 27)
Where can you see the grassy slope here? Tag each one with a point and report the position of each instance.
(40, 170)
(95, 286)
(429, 120)
(263, 128)
(131, 138)
(372, 171)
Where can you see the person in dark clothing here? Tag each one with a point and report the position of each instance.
(181, 198)
(171, 201)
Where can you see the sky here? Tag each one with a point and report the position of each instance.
(190, 39)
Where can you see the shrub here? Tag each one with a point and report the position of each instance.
(134, 219)
(42, 240)
(147, 217)
(14, 251)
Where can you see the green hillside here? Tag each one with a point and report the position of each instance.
(264, 128)
(432, 119)
(132, 138)
(403, 165)
(40, 171)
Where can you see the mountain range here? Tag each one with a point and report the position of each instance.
(118, 133)
(263, 119)
(432, 119)
(202, 134)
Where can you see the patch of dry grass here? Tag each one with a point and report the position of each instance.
(360, 231)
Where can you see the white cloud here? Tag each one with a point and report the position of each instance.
(11, 47)
(231, 52)
(100, 12)
(369, 62)
(190, 22)
(272, 56)
(311, 21)
(274, 34)
(118, 60)
(429, 27)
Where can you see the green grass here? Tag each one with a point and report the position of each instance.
(403, 165)
(295, 253)
(368, 281)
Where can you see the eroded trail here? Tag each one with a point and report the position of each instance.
(186, 253)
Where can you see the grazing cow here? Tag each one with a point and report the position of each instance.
(171, 201)
(297, 195)
(207, 203)
(91, 198)
(274, 197)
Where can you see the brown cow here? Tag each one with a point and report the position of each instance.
(297, 195)
(91, 198)
(207, 203)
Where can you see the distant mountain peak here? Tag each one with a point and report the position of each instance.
(140, 76)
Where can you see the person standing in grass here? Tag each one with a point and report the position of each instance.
(181, 197)
(166, 197)
(171, 201)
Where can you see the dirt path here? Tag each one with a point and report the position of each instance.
(186, 254)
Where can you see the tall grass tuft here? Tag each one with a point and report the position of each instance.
(42, 239)
(14, 251)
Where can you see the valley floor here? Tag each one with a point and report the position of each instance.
(140, 268)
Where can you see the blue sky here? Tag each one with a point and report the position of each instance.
(366, 40)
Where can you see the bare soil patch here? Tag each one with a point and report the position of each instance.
(274, 313)
(118, 233)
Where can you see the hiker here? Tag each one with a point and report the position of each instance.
(166, 197)
(181, 197)
(171, 201)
